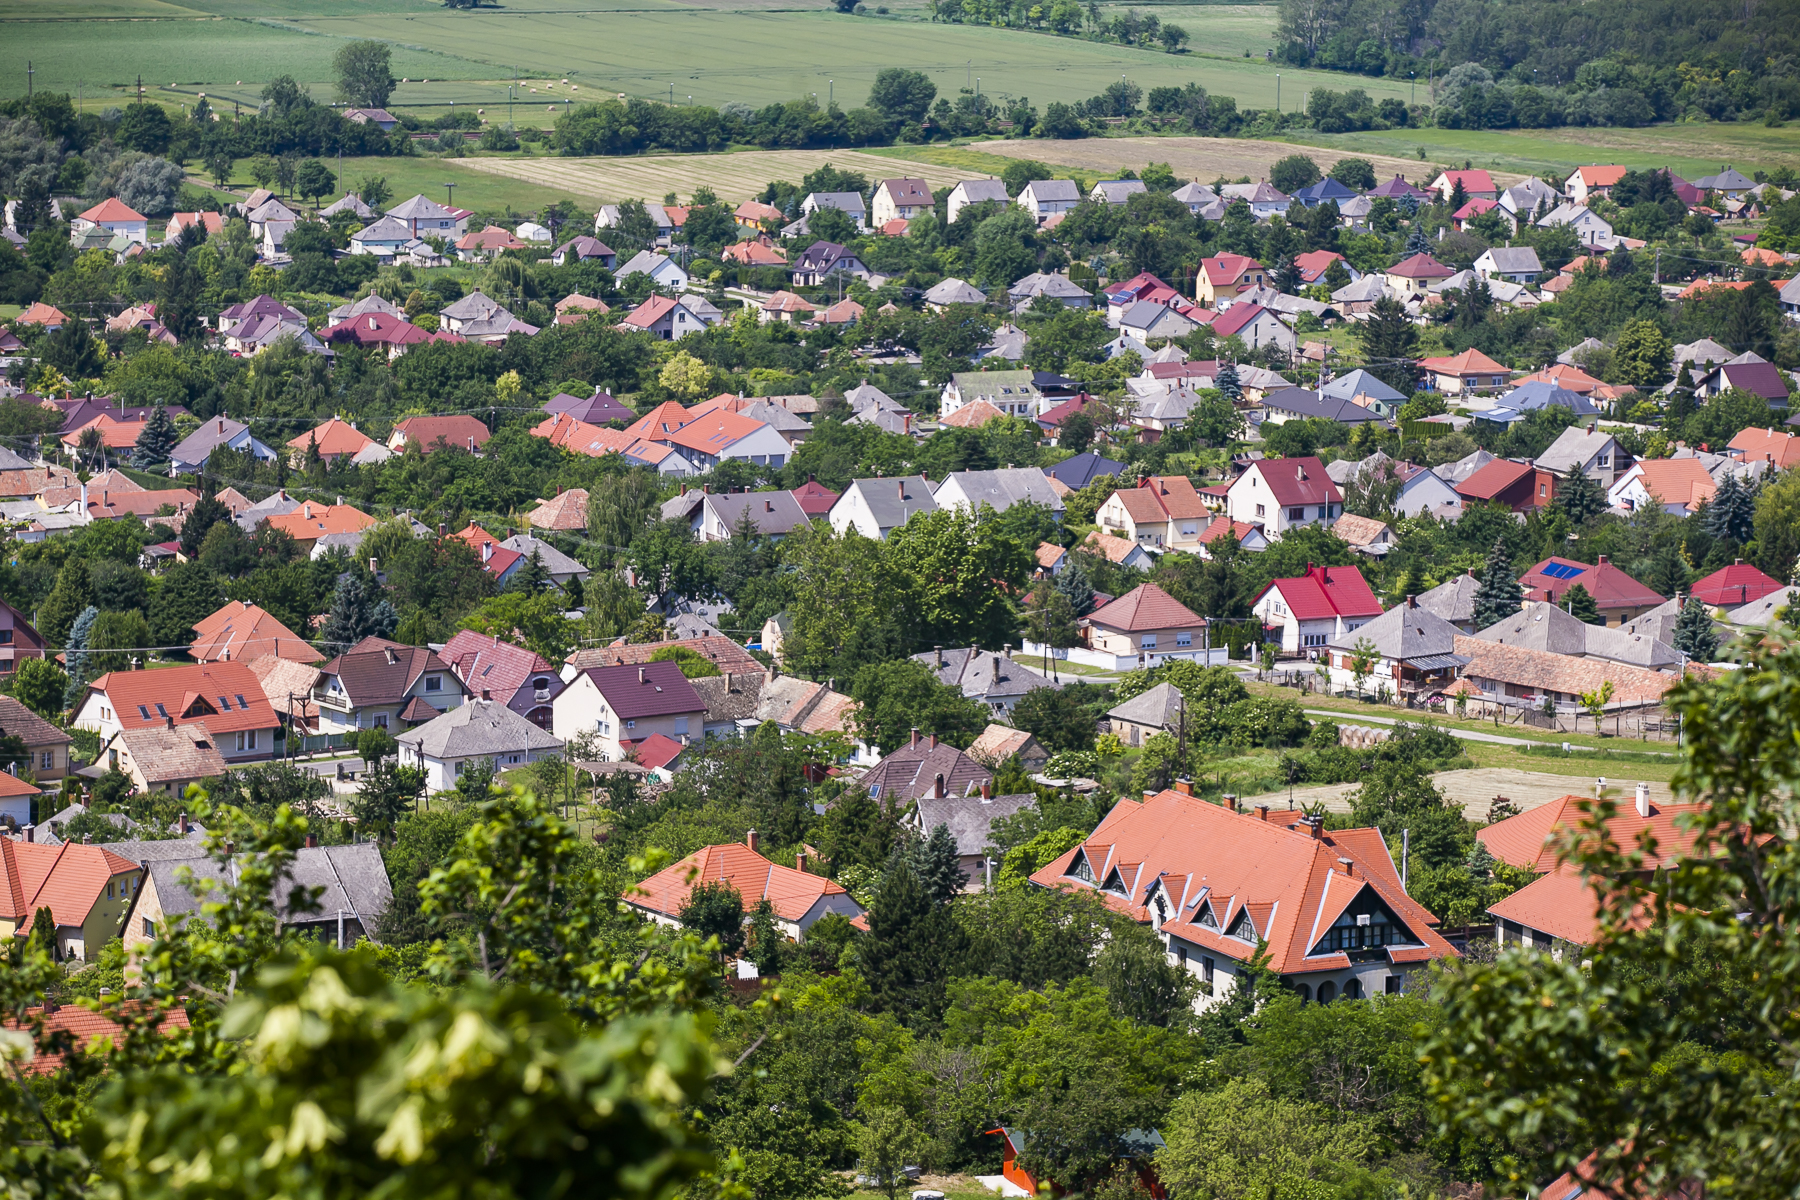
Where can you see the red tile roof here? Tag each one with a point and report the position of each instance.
(485, 663)
(1474, 208)
(491, 238)
(114, 210)
(714, 433)
(1494, 479)
(68, 879)
(649, 312)
(1609, 586)
(754, 254)
(1683, 481)
(666, 417)
(1326, 592)
(792, 893)
(1563, 376)
(376, 329)
(1757, 445)
(973, 415)
(453, 431)
(1146, 607)
(1200, 857)
(224, 696)
(1227, 268)
(1314, 263)
(1469, 362)
(1113, 549)
(1600, 176)
(565, 511)
(1420, 266)
(1561, 904)
(1730, 587)
(1294, 481)
(1531, 839)
(1235, 318)
(1475, 180)
(42, 314)
(814, 498)
(656, 751)
(717, 649)
(1225, 525)
(310, 521)
(242, 631)
(334, 437)
(84, 1025)
(1542, 671)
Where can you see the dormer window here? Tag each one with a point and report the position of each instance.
(1206, 918)
(1080, 868)
(1243, 927)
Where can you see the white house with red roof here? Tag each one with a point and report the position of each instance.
(671, 318)
(1224, 277)
(1278, 494)
(116, 217)
(1470, 371)
(1412, 277)
(1476, 185)
(1144, 627)
(1163, 513)
(226, 698)
(800, 898)
(1312, 609)
(1591, 181)
(1220, 886)
(713, 437)
(1255, 325)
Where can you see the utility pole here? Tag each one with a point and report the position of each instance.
(29, 72)
(140, 85)
(449, 195)
(1656, 275)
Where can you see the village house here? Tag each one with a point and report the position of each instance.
(1224, 277)
(1157, 710)
(381, 684)
(899, 199)
(1476, 185)
(1278, 494)
(1519, 486)
(1143, 628)
(1312, 609)
(307, 523)
(224, 698)
(999, 490)
(1618, 596)
(1515, 264)
(524, 681)
(921, 767)
(662, 270)
(671, 318)
(819, 262)
(1044, 198)
(333, 439)
(45, 744)
(1542, 625)
(1163, 513)
(481, 731)
(1678, 486)
(1223, 889)
(1594, 452)
(799, 897)
(1506, 677)
(18, 639)
(625, 705)
(970, 822)
(87, 890)
(1470, 371)
(997, 680)
(877, 507)
(1014, 393)
(1586, 183)
(429, 433)
(1412, 277)
(1407, 651)
(1733, 586)
(243, 631)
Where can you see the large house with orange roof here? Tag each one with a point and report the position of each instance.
(1765, 445)
(596, 441)
(335, 439)
(87, 889)
(711, 438)
(428, 433)
(224, 701)
(800, 898)
(1220, 886)
(39, 313)
(1163, 513)
(310, 522)
(116, 217)
(1588, 182)
(1476, 184)
(1143, 628)
(1679, 485)
(1225, 277)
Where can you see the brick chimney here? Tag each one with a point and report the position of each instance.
(1317, 826)
(753, 841)
(1412, 602)
(312, 841)
(643, 674)
(181, 824)
(931, 742)
(1231, 801)
(987, 791)
(1349, 866)
(1262, 812)
(799, 860)
(1185, 786)
(915, 736)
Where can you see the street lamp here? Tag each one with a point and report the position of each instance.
(1278, 91)
(830, 92)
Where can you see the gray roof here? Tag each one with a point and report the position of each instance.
(644, 262)
(773, 513)
(419, 208)
(1567, 357)
(1194, 193)
(352, 203)
(970, 819)
(1369, 287)
(977, 190)
(476, 729)
(954, 291)
(1541, 625)
(1404, 634)
(1118, 191)
(1148, 315)
(10, 461)
(892, 501)
(1040, 283)
(1574, 446)
(1302, 403)
(278, 505)
(1345, 470)
(1730, 179)
(1763, 612)
(352, 878)
(845, 202)
(1158, 708)
(1453, 600)
(1009, 342)
(368, 305)
(1054, 189)
(271, 210)
(1455, 472)
(198, 445)
(781, 419)
(729, 697)
(476, 306)
(1515, 260)
(388, 229)
(866, 394)
(1006, 487)
(1703, 351)
(1359, 383)
(554, 560)
(187, 846)
(982, 674)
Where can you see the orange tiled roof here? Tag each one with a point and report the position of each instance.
(40, 313)
(335, 437)
(1543, 671)
(792, 893)
(1531, 839)
(310, 521)
(1469, 362)
(972, 416)
(566, 511)
(1757, 445)
(1682, 481)
(1115, 549)
(223, 696)
(112, 209)
(1146, 606)
(242, 631)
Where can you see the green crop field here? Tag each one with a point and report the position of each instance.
(1689, 150)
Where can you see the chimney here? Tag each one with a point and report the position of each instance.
(1412, 602)
(931, 742)
(1262, 812)
(753, 841)
(86, 800)
(486, 694)
(1349, 866)
(487, 551)
(306, 511)
(915, 736)
(1737, 562)
(1604, 560)
(392, 657)
(1317, 826)
(1185, 786)
(168, 722)
(768, 506)
(1149, 795)
(800, 860)
(937, 786)
(1643, 800)
(221, 424)
(181, 824)
(996, 666)
(440, 529)
(987, 791)
(1231, 801)
(940, 656)
(312, 841)
(728, 682)
(30, 832)
(643, 674)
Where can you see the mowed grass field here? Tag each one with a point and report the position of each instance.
(735, 177)
(1198, 158)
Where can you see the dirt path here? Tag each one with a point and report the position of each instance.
(1475, 790)
(1197, 158)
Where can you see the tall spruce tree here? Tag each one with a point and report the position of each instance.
(189, 594)
(1694, 634)
(73, 592)
(77, 655)
(532, 576)
(208, 511)
(912, 946)
(353, 615)
(1226, 381)
(156, 441)
(1390, 342)
(1578, 494)
(1731, 516)
(1417, 241)
(1075, 586)
(934, 859)
(1497, 597)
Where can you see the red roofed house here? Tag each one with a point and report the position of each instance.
(396, 334)
(1142, 628)
(1248, 536)
(1518, 485)
(116, 217)
(429, 432)
(1255, 325)
(310, 522)
(1312, 609)
(1760, 445)
(1279, 494)
(624, 705)
(799, 898)
(1560, 905)
(336, 439)
(1588, 182)
(1678, 485)
(814, 498)
(225, 700)
(1470, 371)
(1414, 276)
(1734, 586)
(1618, 596)
(1163, 513)
(1227, 277)
(1476, 184)
(39, 313)
(754, 254)
(1218, 886)
(1474, 208)
(1314, 263)
(88, 891)
(524, 681)
(242, 631)
(565, 512)
(713, 437)
(485, 243)
(1118, 550)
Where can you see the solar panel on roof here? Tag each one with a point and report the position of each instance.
(1562, 570)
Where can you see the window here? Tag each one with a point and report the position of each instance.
(1296, 514)
(224, 704)
(631, 724)
(6, 637)
(1313, 639)
(381, 721)
(149, 928)
(47, 760)
(459, 768)
(143, 712)
(161, 711)
(242, 703)
(681, 726)
(1181, 956)
(1149, 641)
(1206, 968)
(434, 683)
(1391, 985)
(1259, 510)
(1184, 638)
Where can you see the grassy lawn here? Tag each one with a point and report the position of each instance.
(9, 311)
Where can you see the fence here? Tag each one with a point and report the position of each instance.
(1641, 722)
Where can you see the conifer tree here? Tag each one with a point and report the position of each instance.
(1731, 516)
(1694, 634)
(532, 576)
(912, 946)
(355, 614)
(1497, 598)
(934, 859)
(1075, 586)
(1417, 241)
(1226, 381)
(190, 593)
(1579, 495)
(1580, 604)
(207, 512)
(157, 441)
(76, 653)
(73, 592)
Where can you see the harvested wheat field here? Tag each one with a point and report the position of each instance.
(1475, 790)
(1200, 159)
(734, 177)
